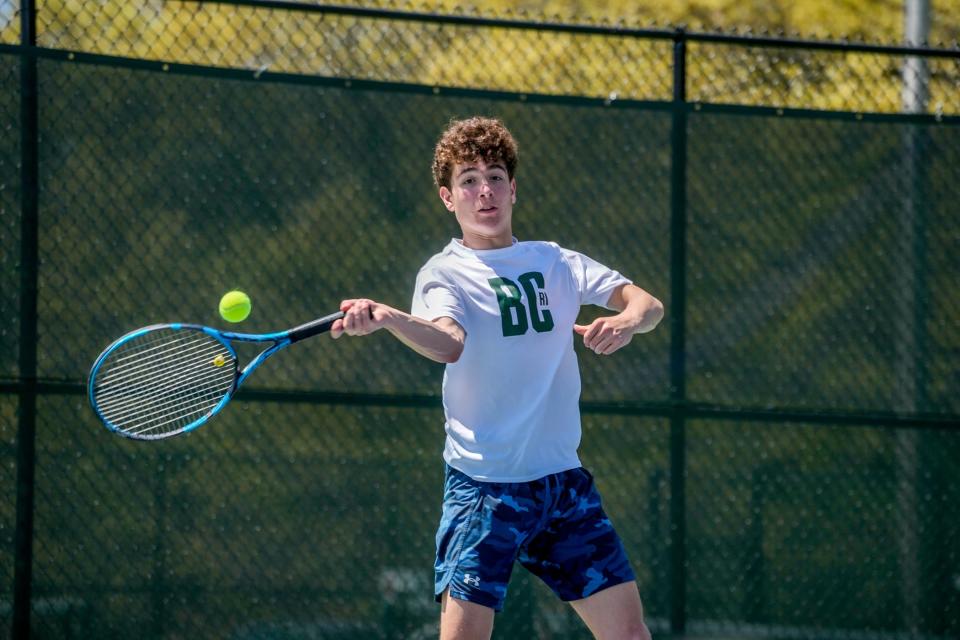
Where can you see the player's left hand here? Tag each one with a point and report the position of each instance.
(606, 335)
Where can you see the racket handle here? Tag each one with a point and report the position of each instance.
(314, 327)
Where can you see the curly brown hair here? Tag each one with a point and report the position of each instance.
(470, 140)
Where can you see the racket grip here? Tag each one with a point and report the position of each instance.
(314, 327)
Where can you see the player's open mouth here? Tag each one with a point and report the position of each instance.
(487, 210)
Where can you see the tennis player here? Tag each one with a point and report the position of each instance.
(501, 314)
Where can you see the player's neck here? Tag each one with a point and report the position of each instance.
(485, 243)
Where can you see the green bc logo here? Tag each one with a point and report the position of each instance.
(513, 313)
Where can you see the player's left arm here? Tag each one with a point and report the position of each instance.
(639, 312)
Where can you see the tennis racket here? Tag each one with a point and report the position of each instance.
(167, 379)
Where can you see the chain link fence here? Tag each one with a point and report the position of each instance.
(779, 456)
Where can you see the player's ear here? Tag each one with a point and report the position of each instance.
(513, 190)
(447, 196)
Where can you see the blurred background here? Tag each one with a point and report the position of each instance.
(779, 455)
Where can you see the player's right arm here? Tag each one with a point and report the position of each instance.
(440, 340)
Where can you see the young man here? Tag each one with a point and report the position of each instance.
(501, 314)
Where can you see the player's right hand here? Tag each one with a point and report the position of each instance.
(361, 317)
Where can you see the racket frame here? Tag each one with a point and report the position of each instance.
(280, 340)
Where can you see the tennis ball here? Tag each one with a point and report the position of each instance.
(235, 306)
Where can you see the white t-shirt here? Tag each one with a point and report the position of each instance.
(511, 401)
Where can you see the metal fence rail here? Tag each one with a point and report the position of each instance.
(779, 456)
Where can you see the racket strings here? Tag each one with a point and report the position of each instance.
(163, 380)
(164, 397)
(170, 393)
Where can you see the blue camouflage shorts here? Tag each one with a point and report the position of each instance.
(555, 527)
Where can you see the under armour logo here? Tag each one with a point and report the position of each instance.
(471, 580)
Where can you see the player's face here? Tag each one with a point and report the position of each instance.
(482, 195)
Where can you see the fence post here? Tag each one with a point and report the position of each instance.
(27, 418)
(910, 287)
(678, 278)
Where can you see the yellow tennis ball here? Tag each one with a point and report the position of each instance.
(235, 306)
